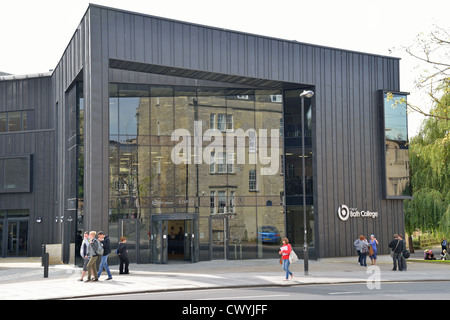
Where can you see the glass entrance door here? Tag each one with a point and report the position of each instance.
(174, 237)
(14, 238)
(187, 239)
(158, 239)
(191, 243)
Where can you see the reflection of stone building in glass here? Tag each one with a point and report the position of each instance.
(397, 168)
(145, 181)
(395, 137)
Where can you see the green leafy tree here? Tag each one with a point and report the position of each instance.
(430, 174)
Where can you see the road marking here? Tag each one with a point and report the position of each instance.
(348, 292)
(245, 297)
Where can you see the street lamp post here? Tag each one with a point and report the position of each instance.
(308, 94)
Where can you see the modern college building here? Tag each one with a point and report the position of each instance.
(187, 140)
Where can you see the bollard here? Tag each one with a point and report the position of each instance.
(45, 260)
(43, 249)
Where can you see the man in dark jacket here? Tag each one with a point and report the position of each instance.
(397, 250)
(104, 239)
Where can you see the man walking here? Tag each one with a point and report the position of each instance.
(94, 246)
(104, 239)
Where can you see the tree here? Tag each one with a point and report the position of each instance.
(434, 50)
(430, 174)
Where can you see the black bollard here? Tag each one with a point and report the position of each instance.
(45, 260)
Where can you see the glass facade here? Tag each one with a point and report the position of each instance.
(74, 173)
(171, 153)
(397, 176)
(294, 176)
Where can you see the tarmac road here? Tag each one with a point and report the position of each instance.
(354, 291)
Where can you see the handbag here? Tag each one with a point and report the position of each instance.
(406, 254)
(292, 256)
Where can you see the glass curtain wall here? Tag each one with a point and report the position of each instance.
(196, 170)
(397, 175)
(294, 175)
(72, 220)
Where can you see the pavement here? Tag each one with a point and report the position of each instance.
(23, 278)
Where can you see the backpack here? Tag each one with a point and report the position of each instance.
(99, 251)
(364, 248)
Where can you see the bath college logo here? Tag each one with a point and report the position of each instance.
(343, 212)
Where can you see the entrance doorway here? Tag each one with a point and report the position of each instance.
(174, 238)
(13, 237)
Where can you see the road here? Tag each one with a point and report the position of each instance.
(431, 290)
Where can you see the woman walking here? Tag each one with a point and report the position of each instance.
(123, 256)
(285, 251)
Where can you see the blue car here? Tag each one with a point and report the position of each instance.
(268, 234)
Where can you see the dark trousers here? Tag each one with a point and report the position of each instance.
(400, 260)
(402, 263)
(362, 259)
(123, 262)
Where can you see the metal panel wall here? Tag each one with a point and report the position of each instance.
(32, 94)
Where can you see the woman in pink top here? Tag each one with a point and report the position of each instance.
(285, 251)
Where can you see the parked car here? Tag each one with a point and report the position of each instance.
(268, 234)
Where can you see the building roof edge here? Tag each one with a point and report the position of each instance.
(92, 5)
(25, 76)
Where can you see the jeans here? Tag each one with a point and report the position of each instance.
(396, 258)
(286, 264)
(363, 258)
(104, 263)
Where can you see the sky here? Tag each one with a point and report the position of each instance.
(34, 34)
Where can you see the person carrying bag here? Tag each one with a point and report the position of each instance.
(285, 252)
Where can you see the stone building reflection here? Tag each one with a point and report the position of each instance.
(144, 180)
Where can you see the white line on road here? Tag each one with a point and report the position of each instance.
(246, 297)
(348, 292)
